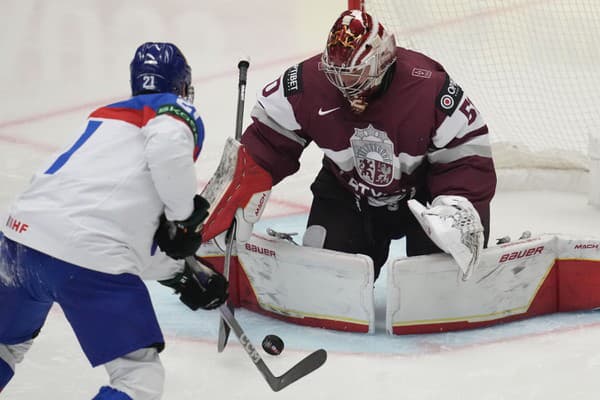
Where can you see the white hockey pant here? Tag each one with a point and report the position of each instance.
(139, 374)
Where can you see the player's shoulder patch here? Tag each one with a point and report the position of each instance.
(292, 80)
(179, 112)
(421, 73)
(449, 96)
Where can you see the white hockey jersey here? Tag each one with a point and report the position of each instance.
(97, 203)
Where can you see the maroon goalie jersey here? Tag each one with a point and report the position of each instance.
(421, 133)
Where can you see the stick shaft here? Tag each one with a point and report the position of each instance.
(243, 73)
(230, 237)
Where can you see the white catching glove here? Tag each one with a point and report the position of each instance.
(453, 224)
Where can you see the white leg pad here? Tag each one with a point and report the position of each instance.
(331, 289)
(139, 374)
(529, 277)
(424, 294)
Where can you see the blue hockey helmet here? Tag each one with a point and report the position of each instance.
(160, 68)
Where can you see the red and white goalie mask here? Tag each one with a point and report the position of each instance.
(359, 51)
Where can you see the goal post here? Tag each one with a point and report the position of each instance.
(530, 66)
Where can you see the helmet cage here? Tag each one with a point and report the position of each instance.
(355, 63)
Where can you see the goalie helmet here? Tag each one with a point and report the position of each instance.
(161, 68)
(359, 51)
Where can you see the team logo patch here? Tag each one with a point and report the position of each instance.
(373, 155)
(449, 96)
(292, 80)
(421, 73)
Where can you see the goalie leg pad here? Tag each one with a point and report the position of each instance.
(513, 281)
(279, 274)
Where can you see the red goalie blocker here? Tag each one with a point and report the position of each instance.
(238, 183)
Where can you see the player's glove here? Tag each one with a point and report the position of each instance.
(180, 239)
(199, 290)
(453, 224)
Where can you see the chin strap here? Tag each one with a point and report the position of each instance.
(358, 105)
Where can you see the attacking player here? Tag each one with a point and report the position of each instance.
(396, 132)
(83, 233)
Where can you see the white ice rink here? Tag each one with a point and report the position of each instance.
(61, 59)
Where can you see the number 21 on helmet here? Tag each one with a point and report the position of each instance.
(161, 68)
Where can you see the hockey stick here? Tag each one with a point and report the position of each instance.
(223, 327)
(301, 369)
(229, 236)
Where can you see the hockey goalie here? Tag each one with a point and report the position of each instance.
(379, 152)
(273, 275)
(406, 154)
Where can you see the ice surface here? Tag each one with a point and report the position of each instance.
(62, 59)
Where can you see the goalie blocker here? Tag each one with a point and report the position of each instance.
(238, 189)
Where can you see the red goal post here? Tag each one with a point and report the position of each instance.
(356, 4)
(530, 66)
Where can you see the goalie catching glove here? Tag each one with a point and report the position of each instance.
(180, 239)
(453, 224)
(199, 290)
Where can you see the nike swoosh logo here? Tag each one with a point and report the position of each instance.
(325, 112)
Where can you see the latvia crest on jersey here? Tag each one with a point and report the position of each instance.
(373, 155)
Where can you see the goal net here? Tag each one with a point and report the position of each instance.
(532, 67)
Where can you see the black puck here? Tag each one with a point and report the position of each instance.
(272, 344)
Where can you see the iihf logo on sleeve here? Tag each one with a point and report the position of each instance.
(16, 225)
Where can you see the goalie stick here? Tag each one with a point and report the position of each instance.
(301, 369)
(223, 327)
(229, 236)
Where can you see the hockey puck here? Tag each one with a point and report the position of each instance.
(272, 344)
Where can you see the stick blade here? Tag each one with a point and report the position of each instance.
(300, 370)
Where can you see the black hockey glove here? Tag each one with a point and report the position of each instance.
(199, 290)
(180, 239)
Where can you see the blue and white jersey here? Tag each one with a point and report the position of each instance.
(97, 203)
